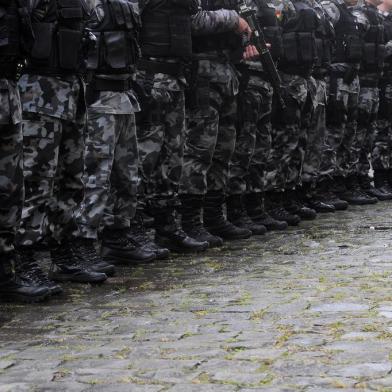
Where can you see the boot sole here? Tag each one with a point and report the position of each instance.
(183, 251)
(115, 260)
(67, 278)
(23, 298)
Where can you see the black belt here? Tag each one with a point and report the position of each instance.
(155, 67)
(111, 84)
(369, 83)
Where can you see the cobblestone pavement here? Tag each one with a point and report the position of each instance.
(309, 310)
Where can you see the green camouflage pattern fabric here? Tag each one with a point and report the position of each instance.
(381, 156)
(111, 174)
(316, 131)
(11, 164)
(53, 138)
(253, 142)
(342, 114)
(160, 133)
(211, 133)
(284, 166)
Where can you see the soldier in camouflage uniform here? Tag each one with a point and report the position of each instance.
(315, 161)
(53, 103)
(371, 23)
(342, 109)
(211, 134)
(298, 21)
(111, 156)
(161, 127)
(15, 29)
(253, 144)
(382, 148)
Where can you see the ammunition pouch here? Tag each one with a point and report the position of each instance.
(373, 57)
(349, 51)
(299, 48)
(273, 36)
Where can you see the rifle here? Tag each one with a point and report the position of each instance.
(258, 40)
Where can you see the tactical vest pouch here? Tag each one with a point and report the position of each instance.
(116, 49)
(93, 53)
(306, 46)
(180, 32)
(353, 49)
(370, 54)
(273, 36)
(319, 51)
(290, 49)
(4, 33)
(69, 42)
(43, 43)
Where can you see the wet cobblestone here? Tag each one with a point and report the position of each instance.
(305, 310)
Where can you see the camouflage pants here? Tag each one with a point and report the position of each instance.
(368, 104)
(111, 174)
(284, 167)
(53, 169)
(316, 131)
(210, 142)
(11, 184)
(382, 147)
(160, 133)
(338, 158)
(253, 142)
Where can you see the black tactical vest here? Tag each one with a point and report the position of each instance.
(116, 49)
(272, 31)
(387, 21)
(324, 38)
(166, 28)
(229, 41)
(299, 40)
(348, 43)
(16, 35)
(374, 42)
(59, 38)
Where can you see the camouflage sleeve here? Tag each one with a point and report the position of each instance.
(332, 11)
(220, 21)
(361, 18)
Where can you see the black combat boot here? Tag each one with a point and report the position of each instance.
(254, 204)
(215, 221)
(381, 182)
(326, 200)
(238, 216)
(354, 195)
(169, 234)
(68, 266)
(85, 249)
(274, 206)
(29, 268)
(293, 205)
(139, 234)
(372, 191)
(15, 288)
(191, 210)
(119, 247)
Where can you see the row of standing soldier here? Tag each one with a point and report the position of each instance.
(117, 110)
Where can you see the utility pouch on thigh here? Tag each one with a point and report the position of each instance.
(68, 56)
